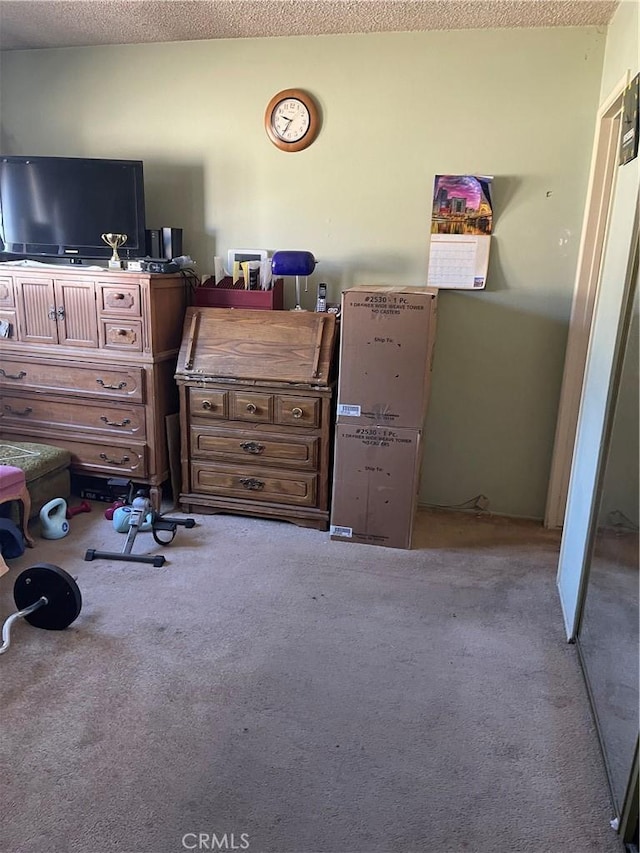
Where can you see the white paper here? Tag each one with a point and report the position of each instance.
(458, 261)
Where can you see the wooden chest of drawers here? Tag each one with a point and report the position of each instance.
(89, 363)
(256, 413)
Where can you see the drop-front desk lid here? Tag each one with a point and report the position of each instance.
(267, 346)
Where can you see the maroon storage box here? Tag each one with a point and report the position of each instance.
(226, 295)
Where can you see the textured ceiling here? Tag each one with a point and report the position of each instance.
(50, 23)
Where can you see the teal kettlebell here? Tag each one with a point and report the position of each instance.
(53, 521)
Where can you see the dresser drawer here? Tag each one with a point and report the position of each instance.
(6, 293)
(237, 447)
(85, 415)
(106, 458)
(107, 382)
(297, 411)
(9, 315)
(209, 404)
(121, 300)
(251, 406)
(117, 335)
(254, 484)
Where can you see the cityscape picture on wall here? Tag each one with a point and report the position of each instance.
(461, 205)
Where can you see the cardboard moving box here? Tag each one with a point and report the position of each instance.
(386, 352)
(375, 485)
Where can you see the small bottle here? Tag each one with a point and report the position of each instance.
(321, 301)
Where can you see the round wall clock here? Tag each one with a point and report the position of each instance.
(292, 120)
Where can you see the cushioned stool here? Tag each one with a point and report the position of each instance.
(13, 487)
(46, 470)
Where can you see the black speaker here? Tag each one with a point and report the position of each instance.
(171, 246)
(153, 247)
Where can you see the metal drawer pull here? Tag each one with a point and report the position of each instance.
(51, 313)
(118, 295)
(106, 420)
(112, 387)
(122, 461)
(207, 404)
(61, 312)
(6, 375)
(252, 447)
(251, 484)
(297, 413)
(252, 408)
(26, 411)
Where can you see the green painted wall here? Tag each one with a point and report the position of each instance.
(397, 109)
(622, 51)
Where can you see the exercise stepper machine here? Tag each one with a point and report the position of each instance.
(141, 511)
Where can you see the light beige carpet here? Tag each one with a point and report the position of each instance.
(302, 695)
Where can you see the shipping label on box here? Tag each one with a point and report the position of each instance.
(375, 485)
(386, 353)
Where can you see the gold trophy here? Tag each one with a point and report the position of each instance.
(115, 241)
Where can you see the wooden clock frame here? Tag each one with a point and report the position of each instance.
(314, 120)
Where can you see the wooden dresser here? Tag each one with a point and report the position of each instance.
(88, 365)
(256, 413)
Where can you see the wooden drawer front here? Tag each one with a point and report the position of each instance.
(246, 448)
(122, 301)
(121, 336)
(251, 406)
(254, 484)
(298, 411)
(9, 316)
(104, 382)
(56, 412)
(208, 404)
(127, 459)
(6, 293)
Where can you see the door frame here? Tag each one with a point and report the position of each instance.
(600, 195)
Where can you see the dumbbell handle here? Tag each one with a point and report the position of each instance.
(6, 628)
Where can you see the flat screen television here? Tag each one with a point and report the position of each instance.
(58, 207)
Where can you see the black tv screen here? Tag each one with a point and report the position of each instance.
(60, 206)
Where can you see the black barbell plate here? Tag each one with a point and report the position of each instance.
(60, 590)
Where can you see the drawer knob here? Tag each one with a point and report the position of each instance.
(123, 423)
(252, 447)
(297, 412)
(122, 461)
(6, 375)
(118, 387)
(252, 484)
(22, 413)
(207, 404)
(252, 408)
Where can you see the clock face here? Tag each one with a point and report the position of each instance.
(292, 120)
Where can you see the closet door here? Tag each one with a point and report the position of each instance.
(608, 624)
(607, 331)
